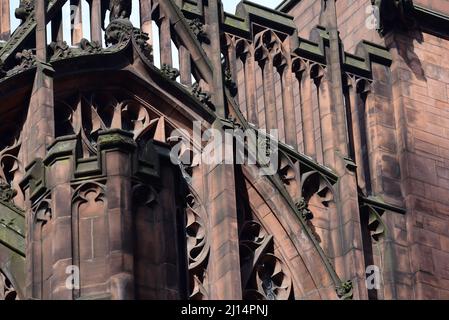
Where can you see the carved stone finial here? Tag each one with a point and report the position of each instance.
(120, 9)
(24, 10)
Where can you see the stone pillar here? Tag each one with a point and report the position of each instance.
(77, 22)
(38, 135)
(145, 18)
(95, 21)
(220, 192)
(4, 20)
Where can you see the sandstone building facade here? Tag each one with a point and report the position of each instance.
(92, 205)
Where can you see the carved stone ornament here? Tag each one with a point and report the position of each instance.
(118, 31)
(141, 39)
(24, 10)
(60, 50)
(9, 163)
(169, 72)
(198, 29)
(201, 96)
(303, 208)
(264, 275)
(198, 248)
(26, 59)
(90, 47)
(229, 83)
(344, 290)
(7, 290)
(120, 9)
(6, 193)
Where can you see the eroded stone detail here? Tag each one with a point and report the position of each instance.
(344, 290)
(60, 50)
(26, 59)
(201, 96)
(7, 290)
(197, 28)
(26, 7)
(169, 72)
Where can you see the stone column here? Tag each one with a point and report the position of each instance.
(4, 20)
(220, 195)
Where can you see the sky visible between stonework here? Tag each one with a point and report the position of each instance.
(229, 6)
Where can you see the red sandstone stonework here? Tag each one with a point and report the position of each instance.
(91, 207)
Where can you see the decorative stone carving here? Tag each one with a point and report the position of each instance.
(264, 276)
(344, 290)
(198, 248)
(120, 9)
(201, 96)
(26, 59)
(141, 39)
(6, 193)
(118, 31)
(9, 163)
(24, 10)
(7, 290)
(268, 45)
(60, 50)
(170, 72)
(303, 208)
(198, 29)
(90, 47)
(229, 83)
(91, 113)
